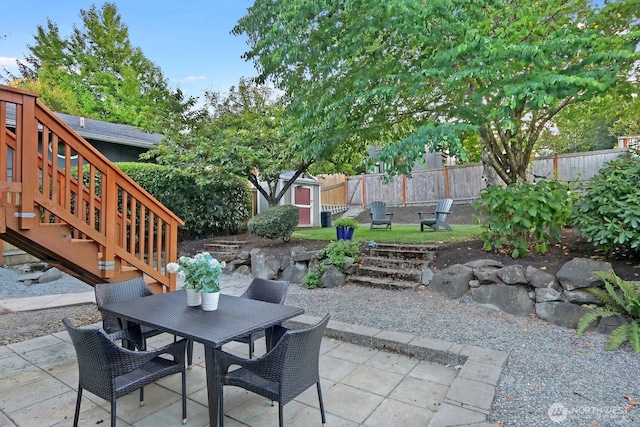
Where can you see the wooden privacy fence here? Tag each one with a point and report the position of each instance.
(464, 182)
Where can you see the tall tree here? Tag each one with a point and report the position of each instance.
(244, 133)
(97, 72)
(410, 74)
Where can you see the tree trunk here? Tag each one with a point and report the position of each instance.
(489, 174)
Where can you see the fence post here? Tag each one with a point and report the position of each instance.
(555, 166)
(404, 190)
(363, 193)
(446, 182)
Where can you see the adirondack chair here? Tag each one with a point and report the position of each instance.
(437, 219)
(379, 215)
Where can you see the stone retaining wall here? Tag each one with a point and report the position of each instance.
(561, 299)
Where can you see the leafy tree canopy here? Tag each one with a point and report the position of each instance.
(405, 73)
(244, 133)
(98, 73)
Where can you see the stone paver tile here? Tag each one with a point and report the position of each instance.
(424, 394)
(372, 379)
(46, 412)
(257, 411)
(310, 396)
(328, 344)
(50, 356)
(5, 352)
(482, 372)
(392, 362)
(451, 415)
(351, 403)
(352, 353)
(129, 409)
(310, 417)
(197, 416)
(474, 393)
(34, 344)
(395, 413)
(94, 415)
(434, 372)
(14, 370)
(4, 421)
(196, 380)
(32, 392)
(335, 369)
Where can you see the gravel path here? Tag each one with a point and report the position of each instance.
(548, 365)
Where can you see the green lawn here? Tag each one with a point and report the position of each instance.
(401, 233)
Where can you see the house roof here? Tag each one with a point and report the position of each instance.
(100, 131)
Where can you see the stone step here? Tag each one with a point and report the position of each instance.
(395, 263)
(387, 283)
(409, 275)
(224, 245)
(225, 256)
(403, 253)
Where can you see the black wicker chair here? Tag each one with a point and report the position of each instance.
(274, 291)
(110, 371)
(290, 368)
(107, 293)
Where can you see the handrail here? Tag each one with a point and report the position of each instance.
(99, 202)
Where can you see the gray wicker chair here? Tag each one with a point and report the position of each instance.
(274, 291)
(110, 371)
(290, 368)
(107, 293)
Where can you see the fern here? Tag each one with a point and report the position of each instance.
(625, 303)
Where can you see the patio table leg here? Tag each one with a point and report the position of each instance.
(213, 386)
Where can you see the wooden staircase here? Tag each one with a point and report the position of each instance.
(391, 266)
(64, 202)
(224, 250)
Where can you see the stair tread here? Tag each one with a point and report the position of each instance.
(385, 283)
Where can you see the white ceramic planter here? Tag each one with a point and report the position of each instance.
(194, 297)
(210, 301)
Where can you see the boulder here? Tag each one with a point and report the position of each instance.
(561, 313)
(513, 299)
(264, 266)
(538, 278)
(482, 263)
(453, 281)
(299, 253)
(244, 270)
(606, 325)
(512, 275)
(486, 275)
(580, 273)
(50, 275)
(581, 296)
(294, 273)
(474, 283)
(427, 276)
(547, 294)
(244, 255)
(332, 278)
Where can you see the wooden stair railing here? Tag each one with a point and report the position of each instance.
(63, 201)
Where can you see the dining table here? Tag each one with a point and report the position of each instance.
(235, 317)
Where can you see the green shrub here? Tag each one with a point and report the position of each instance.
(524, 216)
(608, 214)
(217, 205)
(337, 252)
(625, 304)
(311, 280)
(276, 222)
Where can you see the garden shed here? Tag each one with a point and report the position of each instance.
(303, 193)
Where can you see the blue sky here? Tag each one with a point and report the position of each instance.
(189, 40)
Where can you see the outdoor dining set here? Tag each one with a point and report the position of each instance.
(114, 361)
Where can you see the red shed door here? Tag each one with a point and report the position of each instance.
(302, 199)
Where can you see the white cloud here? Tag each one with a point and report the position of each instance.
(190, 79)
(5, 61)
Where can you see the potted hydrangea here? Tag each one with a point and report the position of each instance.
(201, 279)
